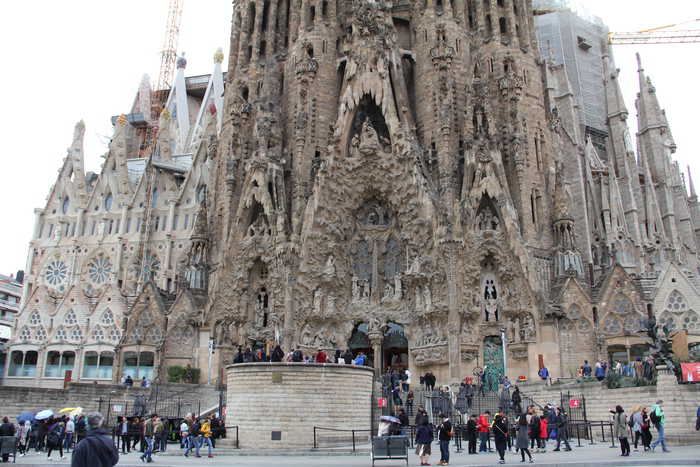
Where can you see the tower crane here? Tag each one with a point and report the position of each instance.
(658, 35)
(168, 55)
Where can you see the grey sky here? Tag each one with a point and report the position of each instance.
(83, 59)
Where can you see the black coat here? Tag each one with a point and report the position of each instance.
(500, 431)
(7, 429)
(471, 427)
(96, 450)
(424, 434)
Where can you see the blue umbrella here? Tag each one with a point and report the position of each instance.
(25, 416)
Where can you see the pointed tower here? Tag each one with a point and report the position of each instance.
(567, 258)
(694, 207)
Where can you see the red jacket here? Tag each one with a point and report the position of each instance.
(543, 428)
(483, 423)
(321, 357)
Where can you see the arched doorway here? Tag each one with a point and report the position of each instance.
(493, 362)
(359, 342)
(395, 347)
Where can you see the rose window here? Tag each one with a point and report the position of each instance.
(668, 321)
(70, 318)
(56, 273)
(633, 323)
(137, 334)
(100, 270)
(153, 335)
(61, 334)
(612, 326)
(25, 335)
(107, 318)
(691, 322)
(584, 326)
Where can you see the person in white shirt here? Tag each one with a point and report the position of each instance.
(70, 429)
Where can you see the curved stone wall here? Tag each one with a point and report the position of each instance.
(286, 400)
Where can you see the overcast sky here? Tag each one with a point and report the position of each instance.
(83, 59)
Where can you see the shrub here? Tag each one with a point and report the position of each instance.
(175, 373)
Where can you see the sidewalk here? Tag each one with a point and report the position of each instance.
(597, 455)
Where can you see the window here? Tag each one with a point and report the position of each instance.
(155, 229)
(50, 231)
(98, 366)
(138, 365)
(108, 202)
(154, 198)
(66, 205)
(164, 225)
(128, 224)
(138, 224)
(23, 363)
(58, 363)
(187, 221)
(92, 229)
(175, 221)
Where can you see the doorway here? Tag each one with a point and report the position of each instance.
(394, 347)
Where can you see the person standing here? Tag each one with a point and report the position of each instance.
(517, 400)
(122, 431)
(471, 434)
(534, 430)
(544, 375)
(658, 419)
(134, 432)
(544, 433)
(620, 423)
(444, 436)
(586, 369)
(80, 428)
(321, 356)
(424, 438)
(636, 421)
(186, 435)
(469, 394)
(6, 429)
(483, 427)
(97, 449)
(148, 436)
(522, 441)
(646, 430)
(70, 431)
(562, 425)
(500, 436)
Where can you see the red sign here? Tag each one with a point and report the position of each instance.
(691, 372)
(381, 402)
(574, 403)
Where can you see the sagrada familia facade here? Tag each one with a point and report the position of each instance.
(405, 178)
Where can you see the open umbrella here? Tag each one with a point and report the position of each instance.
(67, 410)
(389, 418)
(76, 412)
(25, 417)
(44, 414)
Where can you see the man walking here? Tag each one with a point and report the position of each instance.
(561, 422)
(97, 449)
(148, 433)
(658, 418)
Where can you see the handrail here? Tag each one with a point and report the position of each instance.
(344, 430)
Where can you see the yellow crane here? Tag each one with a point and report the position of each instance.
(667, 34)
(168, 55)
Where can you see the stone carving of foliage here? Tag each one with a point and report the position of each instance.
(56, 273)
(100, 270)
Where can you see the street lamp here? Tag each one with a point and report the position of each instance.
(505, 357)
(211, 352)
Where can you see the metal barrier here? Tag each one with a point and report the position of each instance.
(337, 430)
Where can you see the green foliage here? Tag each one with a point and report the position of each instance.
(177, 374)
(615, 381)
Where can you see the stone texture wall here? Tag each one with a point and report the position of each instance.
(292, 398)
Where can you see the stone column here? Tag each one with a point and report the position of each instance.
(449, 251)
(376, 339)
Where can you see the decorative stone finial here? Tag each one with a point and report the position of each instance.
(219, 56)
(122, 120)
(181, 62)
(165, 114)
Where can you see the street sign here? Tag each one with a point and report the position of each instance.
(574, 403)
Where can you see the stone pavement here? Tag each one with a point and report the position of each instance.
(597, 455)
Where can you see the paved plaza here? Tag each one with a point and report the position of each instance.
(588, 455)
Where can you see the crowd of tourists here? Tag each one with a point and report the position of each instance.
(638, 368)
(259, 355)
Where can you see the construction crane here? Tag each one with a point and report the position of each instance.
(168, 55)
(659, 35)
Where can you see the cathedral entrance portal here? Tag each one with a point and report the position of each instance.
(394, 347)
(359, 342)
(493, 362)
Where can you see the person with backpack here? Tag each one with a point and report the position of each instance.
(54, 437)
(658, 419)
(444, 436)
(97, 449)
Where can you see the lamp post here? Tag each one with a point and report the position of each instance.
(505, 357)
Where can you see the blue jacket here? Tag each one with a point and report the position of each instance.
(599, 372)
(424, 434)
(360, 360)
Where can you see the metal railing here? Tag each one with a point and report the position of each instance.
(338, 430)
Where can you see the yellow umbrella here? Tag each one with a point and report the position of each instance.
(76, 412)
(67, 409)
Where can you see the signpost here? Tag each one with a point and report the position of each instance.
(574, 403)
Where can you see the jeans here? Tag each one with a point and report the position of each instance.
(444, 451)
(149, 449)
(661, 439)
(483, 437)
(189, 444)
(561, 436)
(624, 446)
(68, 441)
(202, 442)
(126, 443)
(472, 443)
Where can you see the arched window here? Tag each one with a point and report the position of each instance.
(154, 198)
(23, 364)
(98, 366)
(108, 202)
(57, 363)
(138, 365)
(66, 205)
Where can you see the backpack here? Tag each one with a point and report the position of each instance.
(54, 436)
(655, 419)
(196, 429)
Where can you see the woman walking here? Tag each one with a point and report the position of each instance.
(23, 437)
(646, 430)
(522, 441)
(424, 437)
(500, 436)
(54, 437)
(620, 422)
(636, 421)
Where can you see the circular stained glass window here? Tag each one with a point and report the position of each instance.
(100, 270)
(56, 273)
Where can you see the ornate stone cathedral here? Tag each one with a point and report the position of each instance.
(404, 178)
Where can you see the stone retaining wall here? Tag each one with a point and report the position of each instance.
(286, 400)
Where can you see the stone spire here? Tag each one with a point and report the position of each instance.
(693, 194)
(179, 109)
(77, 161)
(650, 114)
(119, 151)
(694, 207)
(164, 143)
